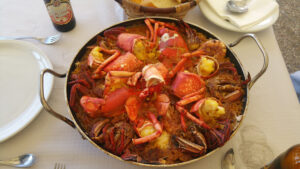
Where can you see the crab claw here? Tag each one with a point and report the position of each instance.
(171, 44)
(126, 62)
(111, 105)
(115, 100)
(162, 104)
(126, 41)
(91, 105)
(132, 107)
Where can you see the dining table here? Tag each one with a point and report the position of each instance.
(273, 106)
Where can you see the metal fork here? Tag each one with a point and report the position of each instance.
(47, 40)
(59, 166)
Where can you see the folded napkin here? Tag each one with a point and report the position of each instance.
(258, 10)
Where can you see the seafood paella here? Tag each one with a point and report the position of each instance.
(156, 92)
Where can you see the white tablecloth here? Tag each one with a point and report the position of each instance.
(273, 105)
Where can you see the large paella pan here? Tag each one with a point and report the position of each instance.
(156, 91)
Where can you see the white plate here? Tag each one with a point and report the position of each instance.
(20, 66)
(214, 18)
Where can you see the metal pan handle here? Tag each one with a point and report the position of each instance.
(264, 53)
(44, 102)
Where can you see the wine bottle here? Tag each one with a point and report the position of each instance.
(290, 159)
(61, 14)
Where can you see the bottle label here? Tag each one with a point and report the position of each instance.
(60, 11)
